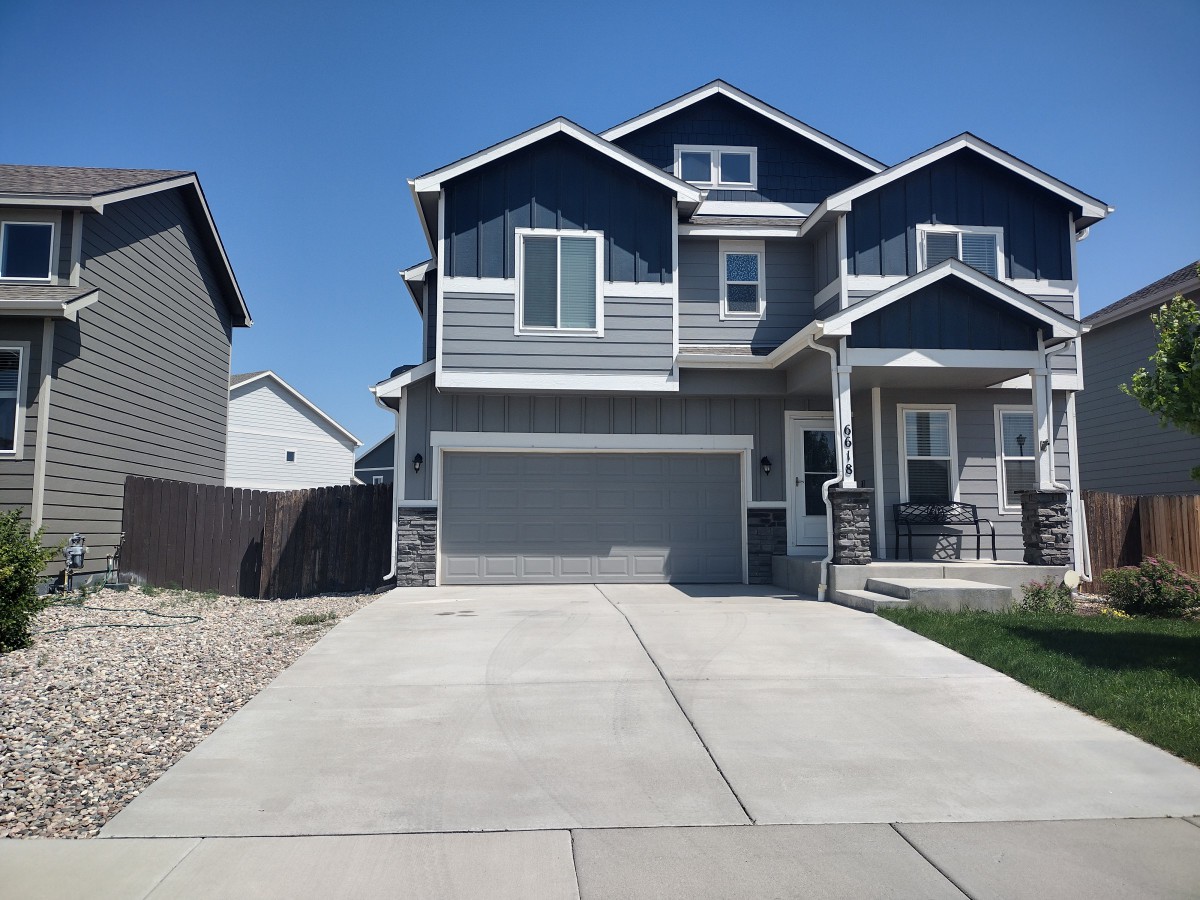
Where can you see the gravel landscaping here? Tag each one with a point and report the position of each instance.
(91, 716)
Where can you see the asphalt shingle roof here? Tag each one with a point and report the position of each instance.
(16, 179)
(235, 380)
(1163, 285)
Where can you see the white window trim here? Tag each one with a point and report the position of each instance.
(901, 409)
(1002, 504)
(519, 328)
(714, 152)
(760, 248)
(54, 248)
(376, 479)
(924, 229)
(18, 450)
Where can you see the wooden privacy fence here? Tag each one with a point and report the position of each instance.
(1122, 530)
(268, 544)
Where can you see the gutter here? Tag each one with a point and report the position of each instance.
(822, 587)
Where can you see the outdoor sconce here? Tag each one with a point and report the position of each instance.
(1021, 444)
(765, 462)
(417, 460)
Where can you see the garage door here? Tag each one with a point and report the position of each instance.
(590, 517)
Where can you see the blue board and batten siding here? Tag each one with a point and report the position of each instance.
(787, 285)
(791, 168)
(961, 189)
(558, 183)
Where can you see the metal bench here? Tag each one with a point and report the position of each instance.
(940, 516)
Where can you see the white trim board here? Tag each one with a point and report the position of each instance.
(647, 290)
(549, 381)
(1032, 286)
(394, 385)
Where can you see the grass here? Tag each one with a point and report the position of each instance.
(314, 618)
(1141, 675)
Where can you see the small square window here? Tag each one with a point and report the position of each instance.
(735, 168)
(728, 168)
(25, 250)
(696, 167)
(376, 479)
(289, 455)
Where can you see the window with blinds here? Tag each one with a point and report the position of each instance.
(10, 383)
(1016, 438)
(978, 247)
(927, 445)
(560, 280)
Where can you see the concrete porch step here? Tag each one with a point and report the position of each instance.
(942, 593)
(867, 601)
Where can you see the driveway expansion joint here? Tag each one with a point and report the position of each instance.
(904, 837)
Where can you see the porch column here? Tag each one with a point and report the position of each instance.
(1043, 447)
(845, 424)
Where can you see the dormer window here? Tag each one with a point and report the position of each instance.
(25, 250)
(722, 168)
(979, 246)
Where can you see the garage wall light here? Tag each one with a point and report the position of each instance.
(765, 462)
(417, 460)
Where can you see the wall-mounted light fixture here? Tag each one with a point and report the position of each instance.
(1021, 444)
(765, 462)
(417, 460)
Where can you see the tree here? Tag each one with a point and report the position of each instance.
(1171, 387)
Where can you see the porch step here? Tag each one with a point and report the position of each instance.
(942, 593)
(868, 601)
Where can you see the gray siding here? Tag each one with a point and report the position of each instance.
(1122, 449)
(961, 189)
(431, 410)
(141, 380)
(791, 168)
(789, 289)
(558, 183)
(431, 301)
(16, 475)
(479, 336)
(825, 259)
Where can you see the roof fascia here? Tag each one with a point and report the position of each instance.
(299, 396)
(57, 309)
(99, 201)
(59, 201)
(434, 180)
(752, 103)
(429, 241)
(393, 386)
(414, 276)
(1093, 209)
(838, 325)
(1147, 303)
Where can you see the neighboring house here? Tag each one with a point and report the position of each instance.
(646, 350)
(117, 310)
(376, 465)
(279, 440)
(1122, 448)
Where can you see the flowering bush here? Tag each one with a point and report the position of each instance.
(1045, 596)
(1157, 587)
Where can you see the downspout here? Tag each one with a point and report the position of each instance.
(396, 474)
(822, 587)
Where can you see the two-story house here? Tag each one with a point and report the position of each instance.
(117, 310)
(650, 353)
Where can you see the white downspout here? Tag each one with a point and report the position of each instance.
(837, 429)
(397, 485)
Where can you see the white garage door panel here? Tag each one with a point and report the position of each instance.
(585, 517)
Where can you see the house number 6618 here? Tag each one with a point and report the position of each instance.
(848, 443)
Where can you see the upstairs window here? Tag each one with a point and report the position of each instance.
(927, 448)
(1016, 439)
(741, 279)
(980, 247)
(25, 250)
(10, 399)
(724, 168)
(559, 277)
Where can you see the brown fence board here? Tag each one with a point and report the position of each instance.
(1123, 530)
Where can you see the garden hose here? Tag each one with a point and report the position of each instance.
(190, 619)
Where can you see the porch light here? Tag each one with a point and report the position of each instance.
(417, 460)
(765, 462)
(1021, 444)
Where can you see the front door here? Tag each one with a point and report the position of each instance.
(812, 461)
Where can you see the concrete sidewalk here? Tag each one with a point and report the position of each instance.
(641, 741)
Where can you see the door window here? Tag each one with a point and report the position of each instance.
(820, 465)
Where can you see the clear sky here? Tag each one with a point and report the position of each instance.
(304, 120)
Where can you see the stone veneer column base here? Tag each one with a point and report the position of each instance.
(1046, 527)
(416, 546)
(851, 525)
(766, 534)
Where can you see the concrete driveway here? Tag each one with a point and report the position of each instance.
(605, 723)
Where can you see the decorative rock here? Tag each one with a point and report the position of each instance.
(416, 546)
(851, 525)
(766, 533)
(1046, 527)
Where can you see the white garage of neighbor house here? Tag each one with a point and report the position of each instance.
(279, 440)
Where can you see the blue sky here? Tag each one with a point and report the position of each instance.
(304, 119)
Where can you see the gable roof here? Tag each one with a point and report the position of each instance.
(1093, 210)
(1061, 326)
(1181, 281)
(725, 89)
(74, 187)
(390, 436)
(246, 378)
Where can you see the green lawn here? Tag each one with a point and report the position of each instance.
(1141, 675)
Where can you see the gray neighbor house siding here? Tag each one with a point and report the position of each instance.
(1122, 448)
(139, 381)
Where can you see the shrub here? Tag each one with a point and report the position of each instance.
(1046, 596)
(22, 558)
(1157, 587)
(314, 618)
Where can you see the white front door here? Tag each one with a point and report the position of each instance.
(812, 460)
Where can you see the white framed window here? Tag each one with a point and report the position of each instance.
(27, 251)
(979, 246)
(376, 479)
(1016, 461)
(928, 453)
(289, 455)
(13, 356)
(723, 168)
(742, 292)
(560, 275)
